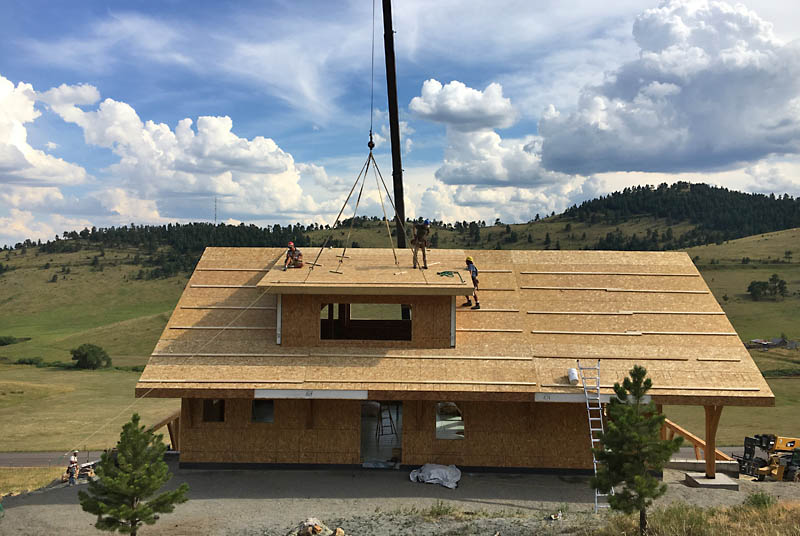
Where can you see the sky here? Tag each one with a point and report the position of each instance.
(148, 112)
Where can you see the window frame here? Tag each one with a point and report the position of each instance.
(253, 411)
(439, 424)
(207, 402)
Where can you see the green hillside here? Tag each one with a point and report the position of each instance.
(60, 301)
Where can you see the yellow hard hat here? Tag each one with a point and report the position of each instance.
(470, 259)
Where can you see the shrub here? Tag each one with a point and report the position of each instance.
(90, 356)
(760, 499)
(5, 340)
(29, 361)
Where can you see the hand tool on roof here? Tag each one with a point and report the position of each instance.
(450, 273)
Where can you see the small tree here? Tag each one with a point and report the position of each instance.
(90, 356)
(632, 448)
(757, 289)
(126, 478)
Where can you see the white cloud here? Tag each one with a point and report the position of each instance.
(20, 223)
(105, 43)
(476, 154)
(19, 162)
(165, 172)
(463, 108)
(712, 88)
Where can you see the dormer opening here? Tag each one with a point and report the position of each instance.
(365, 321)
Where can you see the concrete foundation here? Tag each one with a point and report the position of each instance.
(722, 481)
(729, 468)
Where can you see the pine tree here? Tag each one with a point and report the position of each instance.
(126, 478)
(632, 449)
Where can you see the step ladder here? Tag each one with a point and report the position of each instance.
(385, 424)
(590, 379)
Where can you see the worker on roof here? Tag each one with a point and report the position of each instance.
(294, 258)
(420, 242)
(473, 272)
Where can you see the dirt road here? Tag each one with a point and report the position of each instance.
(375, 502)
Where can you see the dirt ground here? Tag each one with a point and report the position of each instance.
(363, 502)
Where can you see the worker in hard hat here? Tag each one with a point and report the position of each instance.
(294, 258)
(420, 242)
(473, 272)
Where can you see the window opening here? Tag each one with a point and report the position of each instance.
(449, 421)
(366, 321)
(263, 411)
(213, 410)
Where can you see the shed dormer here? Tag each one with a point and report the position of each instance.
(363, 300)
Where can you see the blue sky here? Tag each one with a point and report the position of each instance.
(119, 112)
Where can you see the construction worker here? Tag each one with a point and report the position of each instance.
(420, 242)
(72, 473)
(294, 258)
(473, 272)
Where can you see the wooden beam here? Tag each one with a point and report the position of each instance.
(605, 289)
(225, 327)
(489, 330)
(223, 286)
(231, 269)
(713, 414)
(661, 274)
(163, 422)
(234, 307)
(635, 333)
(670, 429)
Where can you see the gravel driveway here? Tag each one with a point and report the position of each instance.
(363, 502)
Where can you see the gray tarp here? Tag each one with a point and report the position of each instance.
(431, 473)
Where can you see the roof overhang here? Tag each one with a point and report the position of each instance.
(354, 288)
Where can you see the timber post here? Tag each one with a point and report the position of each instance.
(713, 414)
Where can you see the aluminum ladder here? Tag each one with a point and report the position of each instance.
(385, 424)
(590, 379)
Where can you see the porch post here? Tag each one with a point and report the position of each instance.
(713, 414)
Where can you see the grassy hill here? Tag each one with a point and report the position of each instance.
(563, 233)
(61, 301)
(728, 277)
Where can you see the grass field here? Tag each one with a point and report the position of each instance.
(740, 421)
(51, 409)
(16, 480)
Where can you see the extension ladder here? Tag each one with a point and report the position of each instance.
(385, 424)
(590, 379)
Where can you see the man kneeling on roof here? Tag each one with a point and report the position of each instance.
(294, 258)
(473, 271)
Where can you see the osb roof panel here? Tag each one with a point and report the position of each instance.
(370, 268)
(541, 311)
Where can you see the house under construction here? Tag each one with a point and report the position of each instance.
(362, 359)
